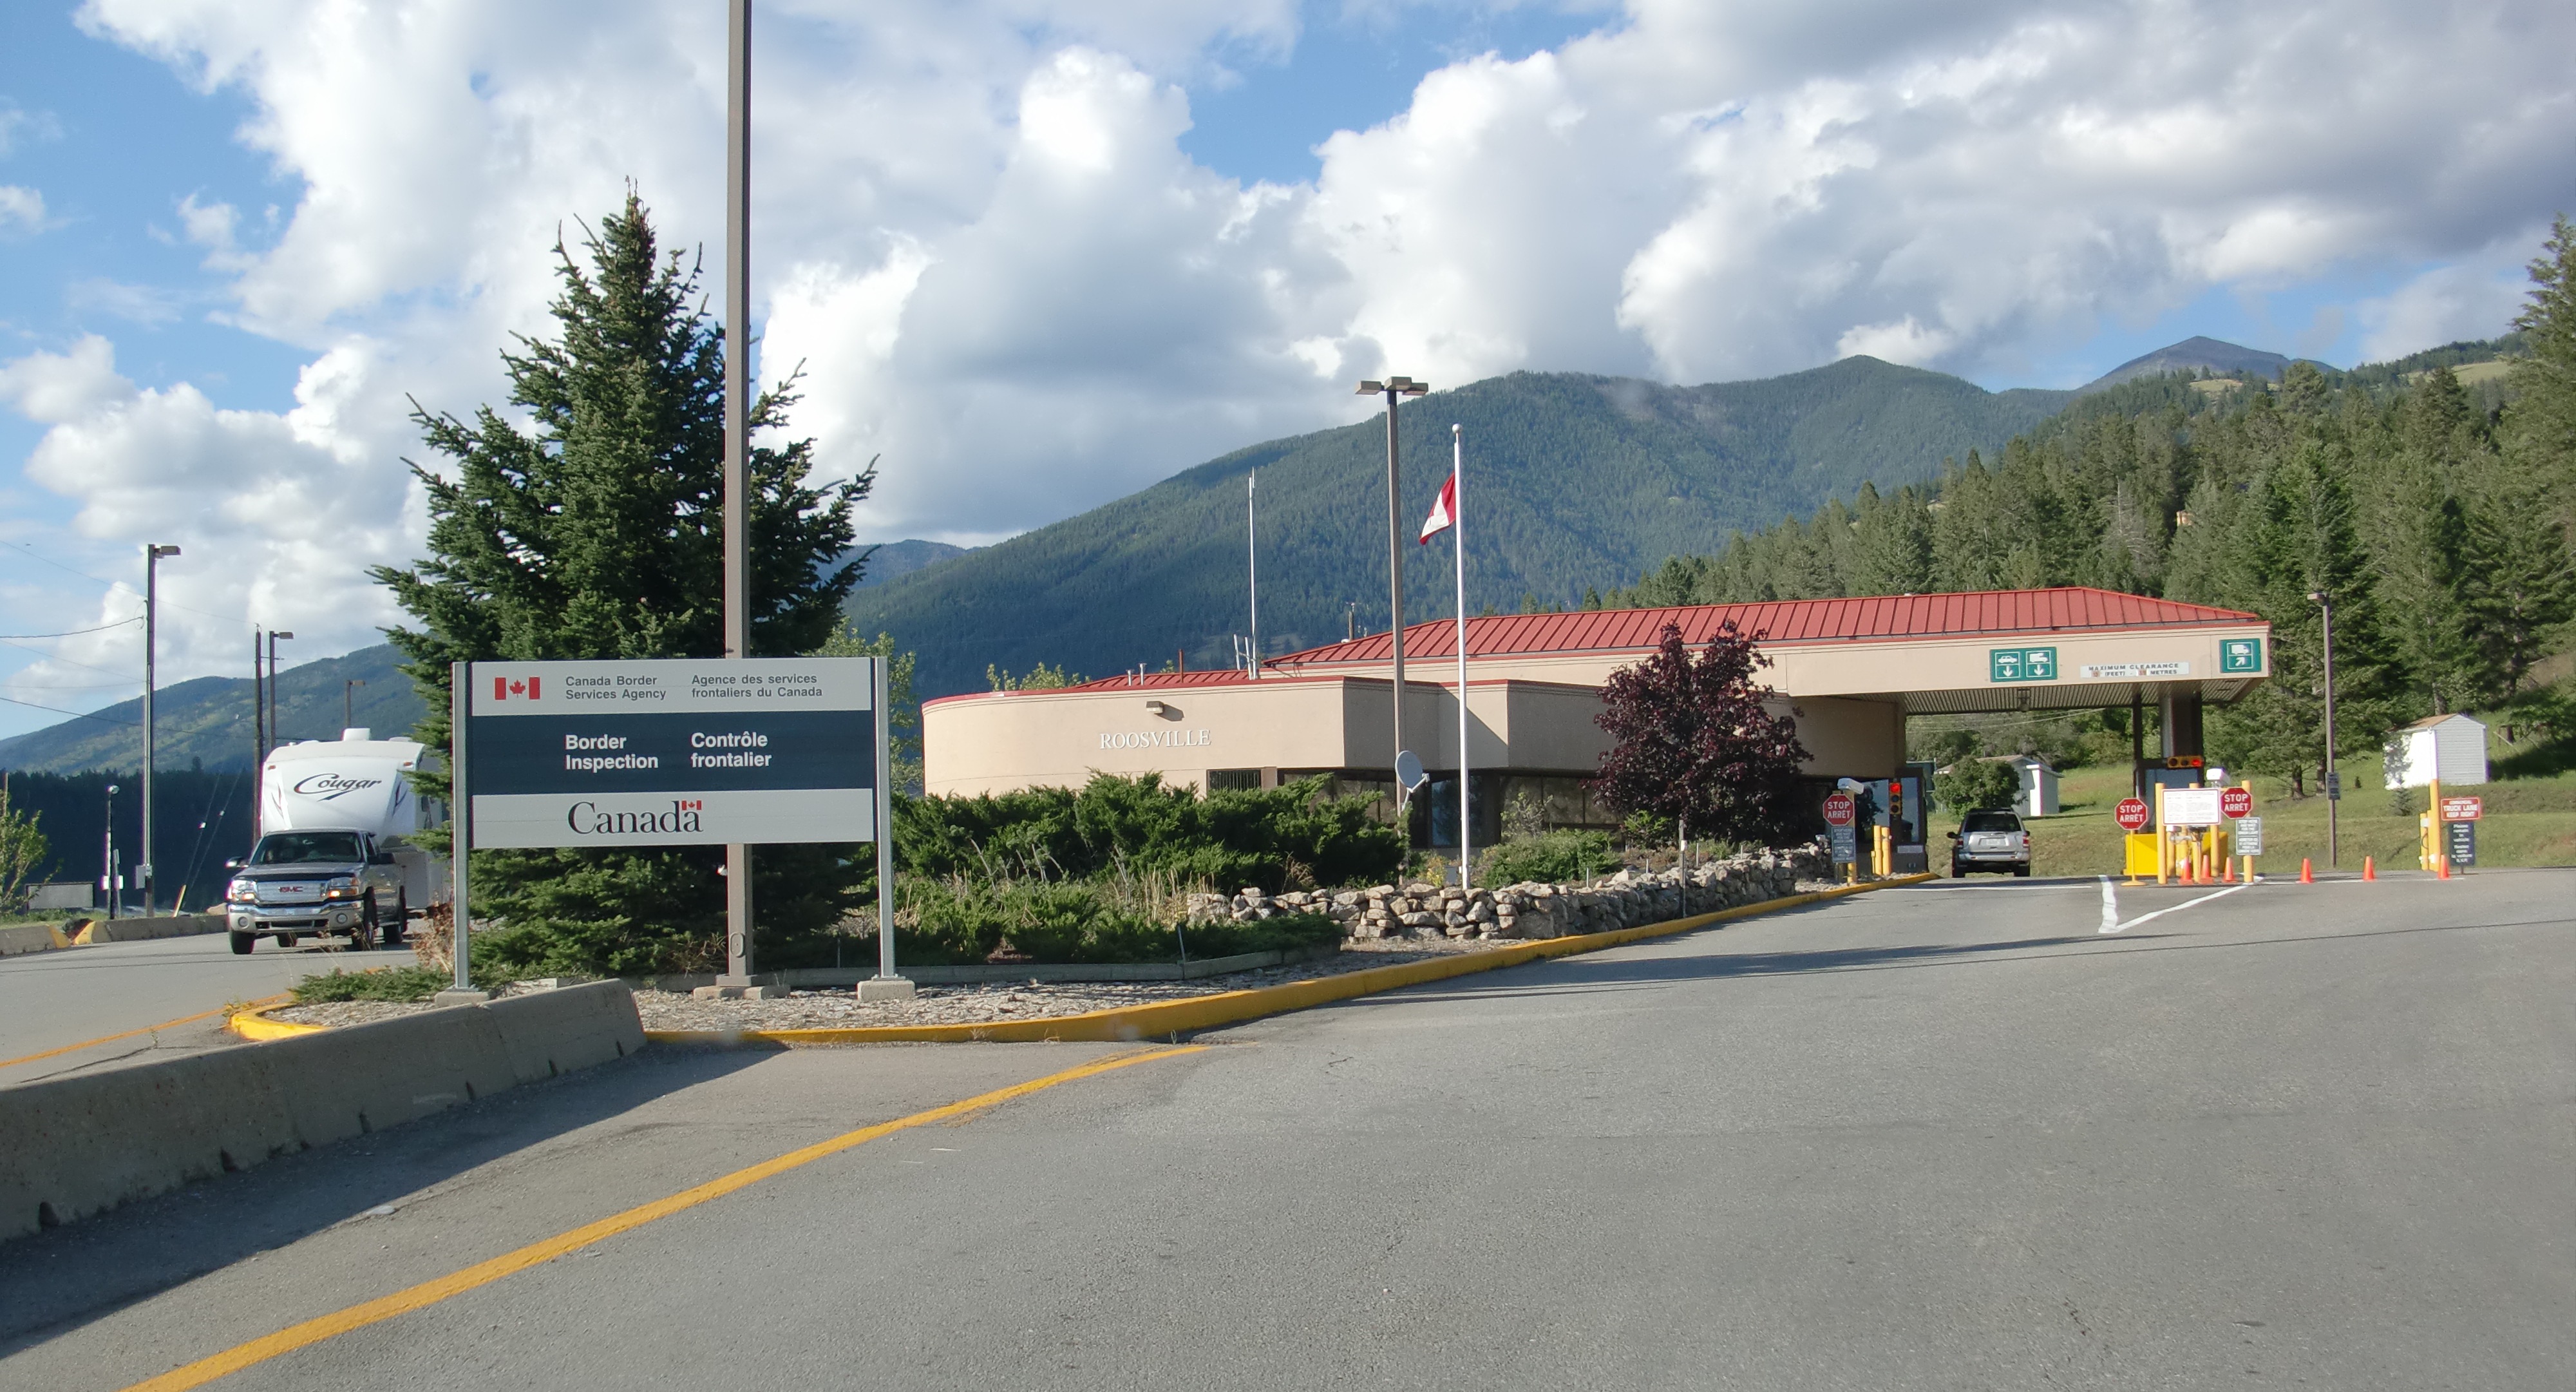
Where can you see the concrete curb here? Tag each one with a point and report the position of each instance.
(51, 937)
(1026, 971)
(76, 1146)
(1234, 1007)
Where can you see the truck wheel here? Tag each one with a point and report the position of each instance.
(242, 942)
(2021, 871)
(393, 932)
(363, 939)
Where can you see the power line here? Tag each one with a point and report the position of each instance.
(35, 555)
(76, 632)
(57, 657)
(78, 715)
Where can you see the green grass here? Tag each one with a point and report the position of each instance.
(382, 984)
(2529, 821)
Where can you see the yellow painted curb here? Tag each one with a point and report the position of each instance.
(254, 1024)
(1233, 1007)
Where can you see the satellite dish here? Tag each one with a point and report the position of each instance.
(1408, 770)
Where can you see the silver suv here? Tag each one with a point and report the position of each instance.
(1994, 841)
(299, 882)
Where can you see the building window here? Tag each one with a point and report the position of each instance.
(1234, 780)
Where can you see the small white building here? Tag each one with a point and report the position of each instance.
(2452, 748)
(2036, 795)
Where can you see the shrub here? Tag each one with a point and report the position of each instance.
(1551, 857)
(1979, 785)
(382, 984)
(962, 921)
(1273, 838)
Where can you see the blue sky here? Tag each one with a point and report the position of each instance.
(1003, 232)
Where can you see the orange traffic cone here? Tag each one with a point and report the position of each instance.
(2307, 871)
(2369, 868)
(2227, 871)
(2441, 867)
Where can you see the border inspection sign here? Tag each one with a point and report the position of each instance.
(672, 752)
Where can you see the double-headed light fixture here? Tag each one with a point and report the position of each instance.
(1392, 388)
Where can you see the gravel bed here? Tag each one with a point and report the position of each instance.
(834, 1007)
(837, 1007)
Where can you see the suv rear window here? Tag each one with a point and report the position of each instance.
(1990, 821)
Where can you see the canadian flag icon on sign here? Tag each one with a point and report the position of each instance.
(694, 805)
(503, 688)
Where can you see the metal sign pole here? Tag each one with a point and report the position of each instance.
(886, 985)
(460, 830)
(737, 462)
(1458, 551)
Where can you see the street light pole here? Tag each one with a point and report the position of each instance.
(1392, 388)
(348, 707)
(737, 455)
(2334, 787)
(151, 620)
(107, 855)
(275, 737)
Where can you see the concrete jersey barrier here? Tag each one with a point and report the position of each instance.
(77, 1146)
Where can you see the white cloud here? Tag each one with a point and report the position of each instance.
(21, 209)
(978, 232)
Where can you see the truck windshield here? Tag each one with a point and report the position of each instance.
(301, 847)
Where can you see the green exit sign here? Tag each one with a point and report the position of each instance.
(2240, 655)
(2021, 664)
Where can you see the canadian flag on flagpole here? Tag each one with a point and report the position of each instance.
(1444, 513)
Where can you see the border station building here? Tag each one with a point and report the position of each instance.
(1852, 670)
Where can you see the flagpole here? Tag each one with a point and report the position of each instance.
(1458, 548)
(1252, 563)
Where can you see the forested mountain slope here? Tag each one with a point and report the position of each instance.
(206, 723)
(1573, 481)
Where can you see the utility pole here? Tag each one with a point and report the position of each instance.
(107, 855)
(151, 620)
(1392, 388)
(258, 718)
(737, 458)
(348, 707)
(2334, 785)
(275, 737)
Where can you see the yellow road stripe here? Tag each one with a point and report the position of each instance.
(147, 1029)
(427, 1293)
(1192, 1013)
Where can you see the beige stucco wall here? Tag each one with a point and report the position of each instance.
(999, 742)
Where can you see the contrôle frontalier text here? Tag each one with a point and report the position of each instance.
(726, 749)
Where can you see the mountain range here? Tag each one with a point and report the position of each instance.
(1573, 482)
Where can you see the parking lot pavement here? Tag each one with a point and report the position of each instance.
(64, 997)
(1954, 1137)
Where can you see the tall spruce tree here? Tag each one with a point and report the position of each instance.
(596, 532)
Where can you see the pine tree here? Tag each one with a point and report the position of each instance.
(2542, 419)
(597, 533)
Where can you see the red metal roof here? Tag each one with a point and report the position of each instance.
(2065, 609)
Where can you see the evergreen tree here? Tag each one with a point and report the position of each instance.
(2542, 419)
(597, 533)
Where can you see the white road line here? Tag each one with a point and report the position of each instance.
(2178, 908)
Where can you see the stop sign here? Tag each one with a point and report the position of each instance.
(1838, 809)
(2132, 814)
(2235, 802)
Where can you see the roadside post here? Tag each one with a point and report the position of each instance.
(1839, 814)
(2460, 817)
(460, 833)
(730, 752)
(2237, 806)
(2164, 844)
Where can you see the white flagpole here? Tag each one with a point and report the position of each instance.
(1252, 563)
(1458, 547)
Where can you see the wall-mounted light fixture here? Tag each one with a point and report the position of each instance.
(1157, 708)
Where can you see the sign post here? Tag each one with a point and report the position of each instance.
(730, 752)
(460, 833)
(1839, 813)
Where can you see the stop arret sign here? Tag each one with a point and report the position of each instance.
(2132, 814)
(2235, 802)
(1838, 809)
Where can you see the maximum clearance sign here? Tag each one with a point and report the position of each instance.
(677, 752)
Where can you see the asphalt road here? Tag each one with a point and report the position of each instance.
(1953, 1137)
(50, 999)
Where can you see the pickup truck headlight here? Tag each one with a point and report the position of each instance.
(345, 887)
(241, 891)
